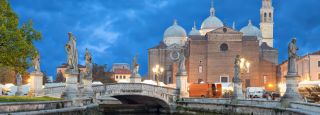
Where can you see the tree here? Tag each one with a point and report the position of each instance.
(4, 72)
(16, 43)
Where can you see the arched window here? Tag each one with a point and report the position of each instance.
(265, 17)
(270, 15)
(224, 47)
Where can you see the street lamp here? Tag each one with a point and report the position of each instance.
(244, 65)
(157, 72)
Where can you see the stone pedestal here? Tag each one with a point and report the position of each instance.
(19, 91)
(292, 94)
(71, 90)
(135, 78)
(87, 88)
(182, 85)
(36, 84)
(237, 89)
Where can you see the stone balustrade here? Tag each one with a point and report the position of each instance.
(305, 106)
(56, 91)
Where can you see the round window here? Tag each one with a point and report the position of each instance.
(224, 47)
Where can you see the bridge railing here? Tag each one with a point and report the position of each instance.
(56, 91)
(165, 93)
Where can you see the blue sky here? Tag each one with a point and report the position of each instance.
(115, 30)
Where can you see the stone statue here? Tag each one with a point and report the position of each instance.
(237, 62)
(135, 65)
(88, 59)
(72, 52)
(18, 79)
(36, 62)
(182, 60)
(292, 55)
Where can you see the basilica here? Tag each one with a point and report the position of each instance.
(210, 51)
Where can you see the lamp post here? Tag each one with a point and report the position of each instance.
(157, 70)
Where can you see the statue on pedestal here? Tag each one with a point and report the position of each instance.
(72, 71)
(182, 77)
(237, 85)
(292, 78)
(72, 52)
(135, 76)
(19, 84)
(135, 65)
(87, 80)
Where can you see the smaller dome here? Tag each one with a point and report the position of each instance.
(251, 30)
(175, 31)
(175, 34)
(194, 30)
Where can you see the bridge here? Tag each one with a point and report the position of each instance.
(134, 93)
(130, 93)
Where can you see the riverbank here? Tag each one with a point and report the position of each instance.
(4, 99)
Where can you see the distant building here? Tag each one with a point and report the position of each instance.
(308, 67)
(121, 66)
(63, 67)
(61, 71)
(121, 75)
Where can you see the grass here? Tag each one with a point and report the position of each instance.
(26, 99)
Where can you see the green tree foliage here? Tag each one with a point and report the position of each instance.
(16, 42)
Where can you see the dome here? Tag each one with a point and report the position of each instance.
(251, 30)
(194, 30)
(212, 22)
(175, 31)
(175, 34)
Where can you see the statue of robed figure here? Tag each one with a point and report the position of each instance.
(72, 52)
(237, 62)
(36, 62)
(182, 65)
(135, 65)
(89, 67)
(292, 55)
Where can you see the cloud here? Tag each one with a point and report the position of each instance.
(115, 30)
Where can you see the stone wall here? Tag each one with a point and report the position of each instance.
(306, 107)
(257, 107)
(45, 105)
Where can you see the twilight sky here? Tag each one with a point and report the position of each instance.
(115, 30)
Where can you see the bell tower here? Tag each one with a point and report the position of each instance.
(266, 22)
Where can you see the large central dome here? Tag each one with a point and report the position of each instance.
(211, 23)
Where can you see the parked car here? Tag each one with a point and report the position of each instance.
(255, 92)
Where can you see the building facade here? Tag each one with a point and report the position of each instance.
(121, 75)
(308, 68)
(210, 51)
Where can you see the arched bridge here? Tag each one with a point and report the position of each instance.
(130, 93)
